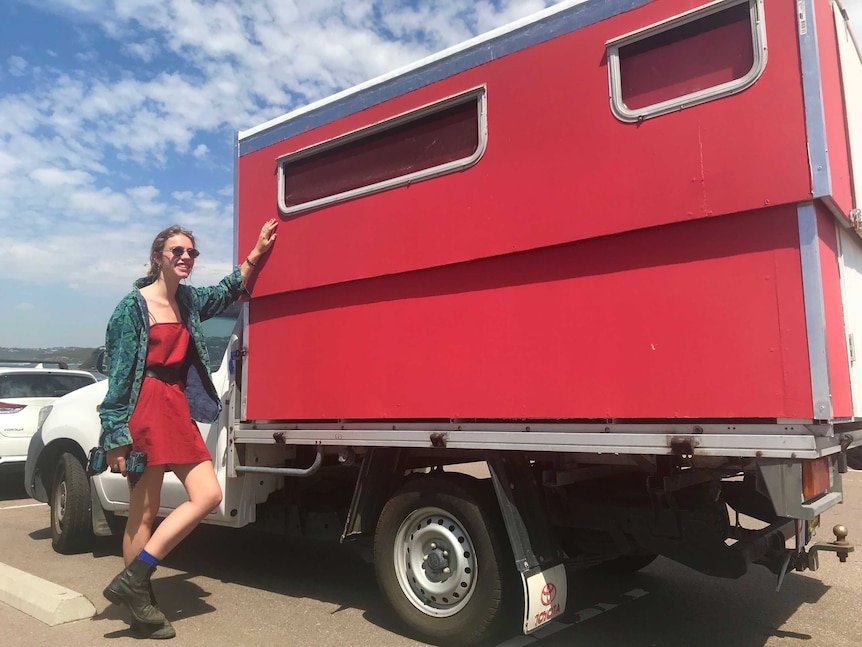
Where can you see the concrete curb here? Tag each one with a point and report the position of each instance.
(51, 603)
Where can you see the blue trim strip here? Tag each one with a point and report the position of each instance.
(815, 311)
(567, 21)
(812, 90)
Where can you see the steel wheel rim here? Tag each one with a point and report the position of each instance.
(59, 507)
(429, 541)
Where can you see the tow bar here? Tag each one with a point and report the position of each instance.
(809, 560)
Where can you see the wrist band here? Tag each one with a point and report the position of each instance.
(248, 260)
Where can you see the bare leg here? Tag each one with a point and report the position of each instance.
(204, 495)
(132, 587)
(143, 507)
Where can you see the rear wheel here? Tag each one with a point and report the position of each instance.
(71, 530)
(443, 560)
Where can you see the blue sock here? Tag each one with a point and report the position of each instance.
(149, 559)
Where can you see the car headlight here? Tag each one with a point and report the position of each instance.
(43, 415)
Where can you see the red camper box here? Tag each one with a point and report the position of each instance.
(617, 210)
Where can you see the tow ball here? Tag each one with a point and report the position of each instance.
(840, 546)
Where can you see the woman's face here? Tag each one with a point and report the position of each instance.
(179, 265)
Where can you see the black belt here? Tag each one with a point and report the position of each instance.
(167, 375)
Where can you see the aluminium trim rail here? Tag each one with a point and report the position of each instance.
(794, 441)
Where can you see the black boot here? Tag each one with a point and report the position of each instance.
(155, 632)
(132, 588)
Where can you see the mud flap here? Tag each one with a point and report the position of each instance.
(537, 553)
(101, 527)
(545, 593)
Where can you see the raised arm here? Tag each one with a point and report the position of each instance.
(261, 247)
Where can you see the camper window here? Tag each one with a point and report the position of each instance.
(435, 139)
(714, 51)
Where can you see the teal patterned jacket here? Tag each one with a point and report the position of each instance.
(126, 344)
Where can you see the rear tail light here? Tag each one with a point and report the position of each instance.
(815, 477)
(9, 407)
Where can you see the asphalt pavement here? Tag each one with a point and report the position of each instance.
(239, 587)
(221, 586)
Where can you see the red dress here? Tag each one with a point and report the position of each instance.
(161, 424)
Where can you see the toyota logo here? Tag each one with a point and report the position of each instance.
(549, 592)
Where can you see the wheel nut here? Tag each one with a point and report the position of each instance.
(433, 546)
(447, 570)
(445, 553)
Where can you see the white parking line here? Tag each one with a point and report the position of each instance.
(26, 505)
(579, 616)
(591, 612)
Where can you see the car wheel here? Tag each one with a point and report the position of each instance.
(443, 559)
(71, 529)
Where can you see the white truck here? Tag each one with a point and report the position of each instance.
(609, 253)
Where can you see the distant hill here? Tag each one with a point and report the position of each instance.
(72, 355)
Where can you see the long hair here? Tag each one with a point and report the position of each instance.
(159, 245)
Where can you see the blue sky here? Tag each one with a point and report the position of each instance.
(117, 119)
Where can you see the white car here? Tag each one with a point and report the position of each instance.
(23, 393)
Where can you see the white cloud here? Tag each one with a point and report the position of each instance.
(8, 163)
(24, 307)
(144, 193)
(145, 50)
(17, 66)
(144, 199)
(101, 203)
(182, 196)
(87, 57)
(21, 114)
(201, 151)
(52, 177)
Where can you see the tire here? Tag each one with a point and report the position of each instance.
(434, 523)
(625, 564)
(71, 528)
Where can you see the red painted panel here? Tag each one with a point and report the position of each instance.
(836, 335)
(558, 167)
(833, 105)
(698, 319)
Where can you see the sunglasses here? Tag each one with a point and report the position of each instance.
(178, 251)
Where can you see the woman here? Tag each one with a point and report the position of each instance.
(158, 382)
